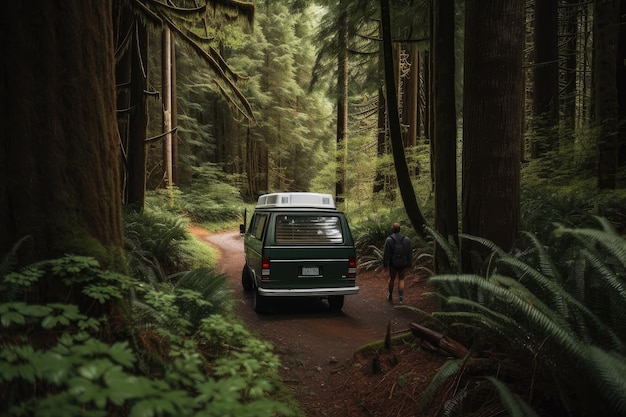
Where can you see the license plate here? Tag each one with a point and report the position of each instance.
(310, 270)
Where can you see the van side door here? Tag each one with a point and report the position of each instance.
(253, 242)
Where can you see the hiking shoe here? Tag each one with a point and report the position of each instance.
(401, 302)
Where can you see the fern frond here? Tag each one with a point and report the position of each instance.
(449, 247)
(605, 316)
(484, 313)
(9, 260)
(610, 241)
(563, 307)
(452, 407)
(546, 265)
(609, 371)
(495, 252)
(464, 319)
(373, 261)
(608, 276)
(213, 296)
(448, 370)
(547, 289)
(492, 247)
(524, 312)
(515, 406)
(145, 314)
(607, 226)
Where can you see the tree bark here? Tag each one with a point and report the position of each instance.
(166, 81)
(381, 178)
(411, 98)
(569, 51)
(342, 102)
(444, 132)
(59, 156)
(402, 170)
(492, 127)
(546, 80)
(621, 86)
(136, 170)
(174, 110)
(606, 37)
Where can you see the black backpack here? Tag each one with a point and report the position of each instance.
(398, 258)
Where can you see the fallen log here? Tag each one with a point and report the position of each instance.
(439, 340)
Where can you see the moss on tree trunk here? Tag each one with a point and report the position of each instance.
(59, 155)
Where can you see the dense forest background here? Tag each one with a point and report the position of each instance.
(492, 129)
(314, 115)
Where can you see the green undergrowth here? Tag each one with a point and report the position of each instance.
(160, 342)
(557, 304)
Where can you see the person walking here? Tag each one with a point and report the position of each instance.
(396, 259)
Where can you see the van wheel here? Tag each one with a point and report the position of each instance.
(335, 302)
(259, 302)
(246, 278)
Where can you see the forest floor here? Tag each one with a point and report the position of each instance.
(336, 365)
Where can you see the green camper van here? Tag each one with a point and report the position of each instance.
(298, 245)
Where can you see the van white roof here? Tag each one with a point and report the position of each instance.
(313, 200)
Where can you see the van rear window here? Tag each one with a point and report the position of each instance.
(308, 229)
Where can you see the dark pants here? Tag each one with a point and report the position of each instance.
(396, 273)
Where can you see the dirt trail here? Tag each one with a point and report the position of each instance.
(315, 345)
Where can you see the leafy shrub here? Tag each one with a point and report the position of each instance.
(154, 238)
(211, 197)
(562, 312)
(57, 361)
(171, 347)
(562, 187)
(370, 233)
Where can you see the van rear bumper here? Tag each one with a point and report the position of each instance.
(307, 292)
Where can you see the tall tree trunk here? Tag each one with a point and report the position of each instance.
(124, 46)
(166, 87)
(342, 102)
(444, 132)
(174, 110)
(59, 153)
(411, 97)
(546, 80)
(136, 167)
(381, 143)
(621, 85)
(428, 108)
(569, 54)
(492, 127)
(606, 37)
(402, 170)
(382, 179)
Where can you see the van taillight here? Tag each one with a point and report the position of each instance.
(352, 267)
(265, 269)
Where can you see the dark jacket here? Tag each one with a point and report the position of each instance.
(388, 251)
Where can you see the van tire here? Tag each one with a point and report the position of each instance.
(259, 302)
(246, 278)
(335, 302)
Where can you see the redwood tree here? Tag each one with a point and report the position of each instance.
(402, 170)
(59, 158)
(606, 38)
(444, 123)
(492, 119)
(546, 81)
(342, 101)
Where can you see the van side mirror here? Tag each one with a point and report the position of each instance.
(242, 229)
